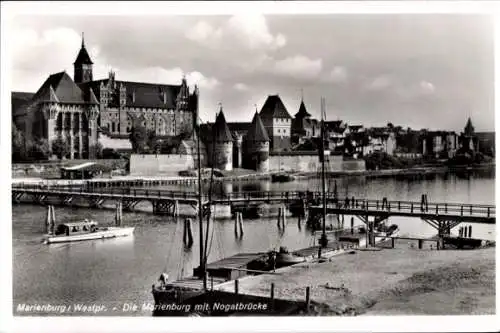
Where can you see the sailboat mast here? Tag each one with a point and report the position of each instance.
(323, 239)
(200, 207)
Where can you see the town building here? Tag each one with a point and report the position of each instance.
(304, 126)
(82, 109)
(439, 144)
(335, 134)
(380, 139)
(486, 143)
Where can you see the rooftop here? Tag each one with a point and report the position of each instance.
(274, 108)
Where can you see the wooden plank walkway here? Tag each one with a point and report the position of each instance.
(237, 261)
(432, 211)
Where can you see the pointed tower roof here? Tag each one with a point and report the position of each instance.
(469, 129)
(222, 132)
(274, 108)
(83, 57)
(62, 88)
(302, 111)
(256, 132)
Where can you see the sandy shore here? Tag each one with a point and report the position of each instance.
(399, 281)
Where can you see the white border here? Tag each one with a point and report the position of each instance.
(373, 324)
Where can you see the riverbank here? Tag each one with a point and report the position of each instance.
(399, 281)
(246, 175)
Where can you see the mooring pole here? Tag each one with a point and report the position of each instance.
(308, 298)
(272, 296)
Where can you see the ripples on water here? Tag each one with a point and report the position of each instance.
(114, 271)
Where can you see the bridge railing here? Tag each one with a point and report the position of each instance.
(364, 204)
(416, 207)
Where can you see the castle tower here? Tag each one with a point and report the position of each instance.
(257, 145)
(82, 65)
(222, 144)
(277, 122)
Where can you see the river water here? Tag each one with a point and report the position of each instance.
(117, 272)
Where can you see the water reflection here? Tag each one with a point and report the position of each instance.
(122, 269)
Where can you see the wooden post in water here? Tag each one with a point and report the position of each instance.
(283, 216)
(53, 220)
(240, 223)
(184, 233)
(236, 217)
(272, 296)
(118, 214)
(352, 225)
(420, 242)
(236, 286)
(48, 220)
(392, 242)
(188, 233)
(279, 218)
(308, 298)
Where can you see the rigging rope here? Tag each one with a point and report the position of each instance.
(172, 243)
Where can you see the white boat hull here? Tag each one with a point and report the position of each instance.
(110, 232)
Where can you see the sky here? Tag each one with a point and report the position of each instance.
(415, 70)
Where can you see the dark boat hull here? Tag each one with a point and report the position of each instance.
(462, 243)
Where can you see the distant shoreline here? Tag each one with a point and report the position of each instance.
(400, 172)
(415, 171)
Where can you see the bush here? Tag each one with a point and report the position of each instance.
(382, 160)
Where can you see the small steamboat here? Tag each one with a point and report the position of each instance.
(85, 230)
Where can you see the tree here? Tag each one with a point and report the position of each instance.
(390, 126)
(60, 147)
(185, 131)
(39, 150)
(139, 138)
(19, 145)
(95, 151)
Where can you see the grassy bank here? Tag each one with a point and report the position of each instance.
(401, 280)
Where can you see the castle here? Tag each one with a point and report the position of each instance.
(249, 145)
(74, 110)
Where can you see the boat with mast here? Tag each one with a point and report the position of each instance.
(165, 293)
(323, 241)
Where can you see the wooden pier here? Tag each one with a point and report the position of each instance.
(442, 216)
